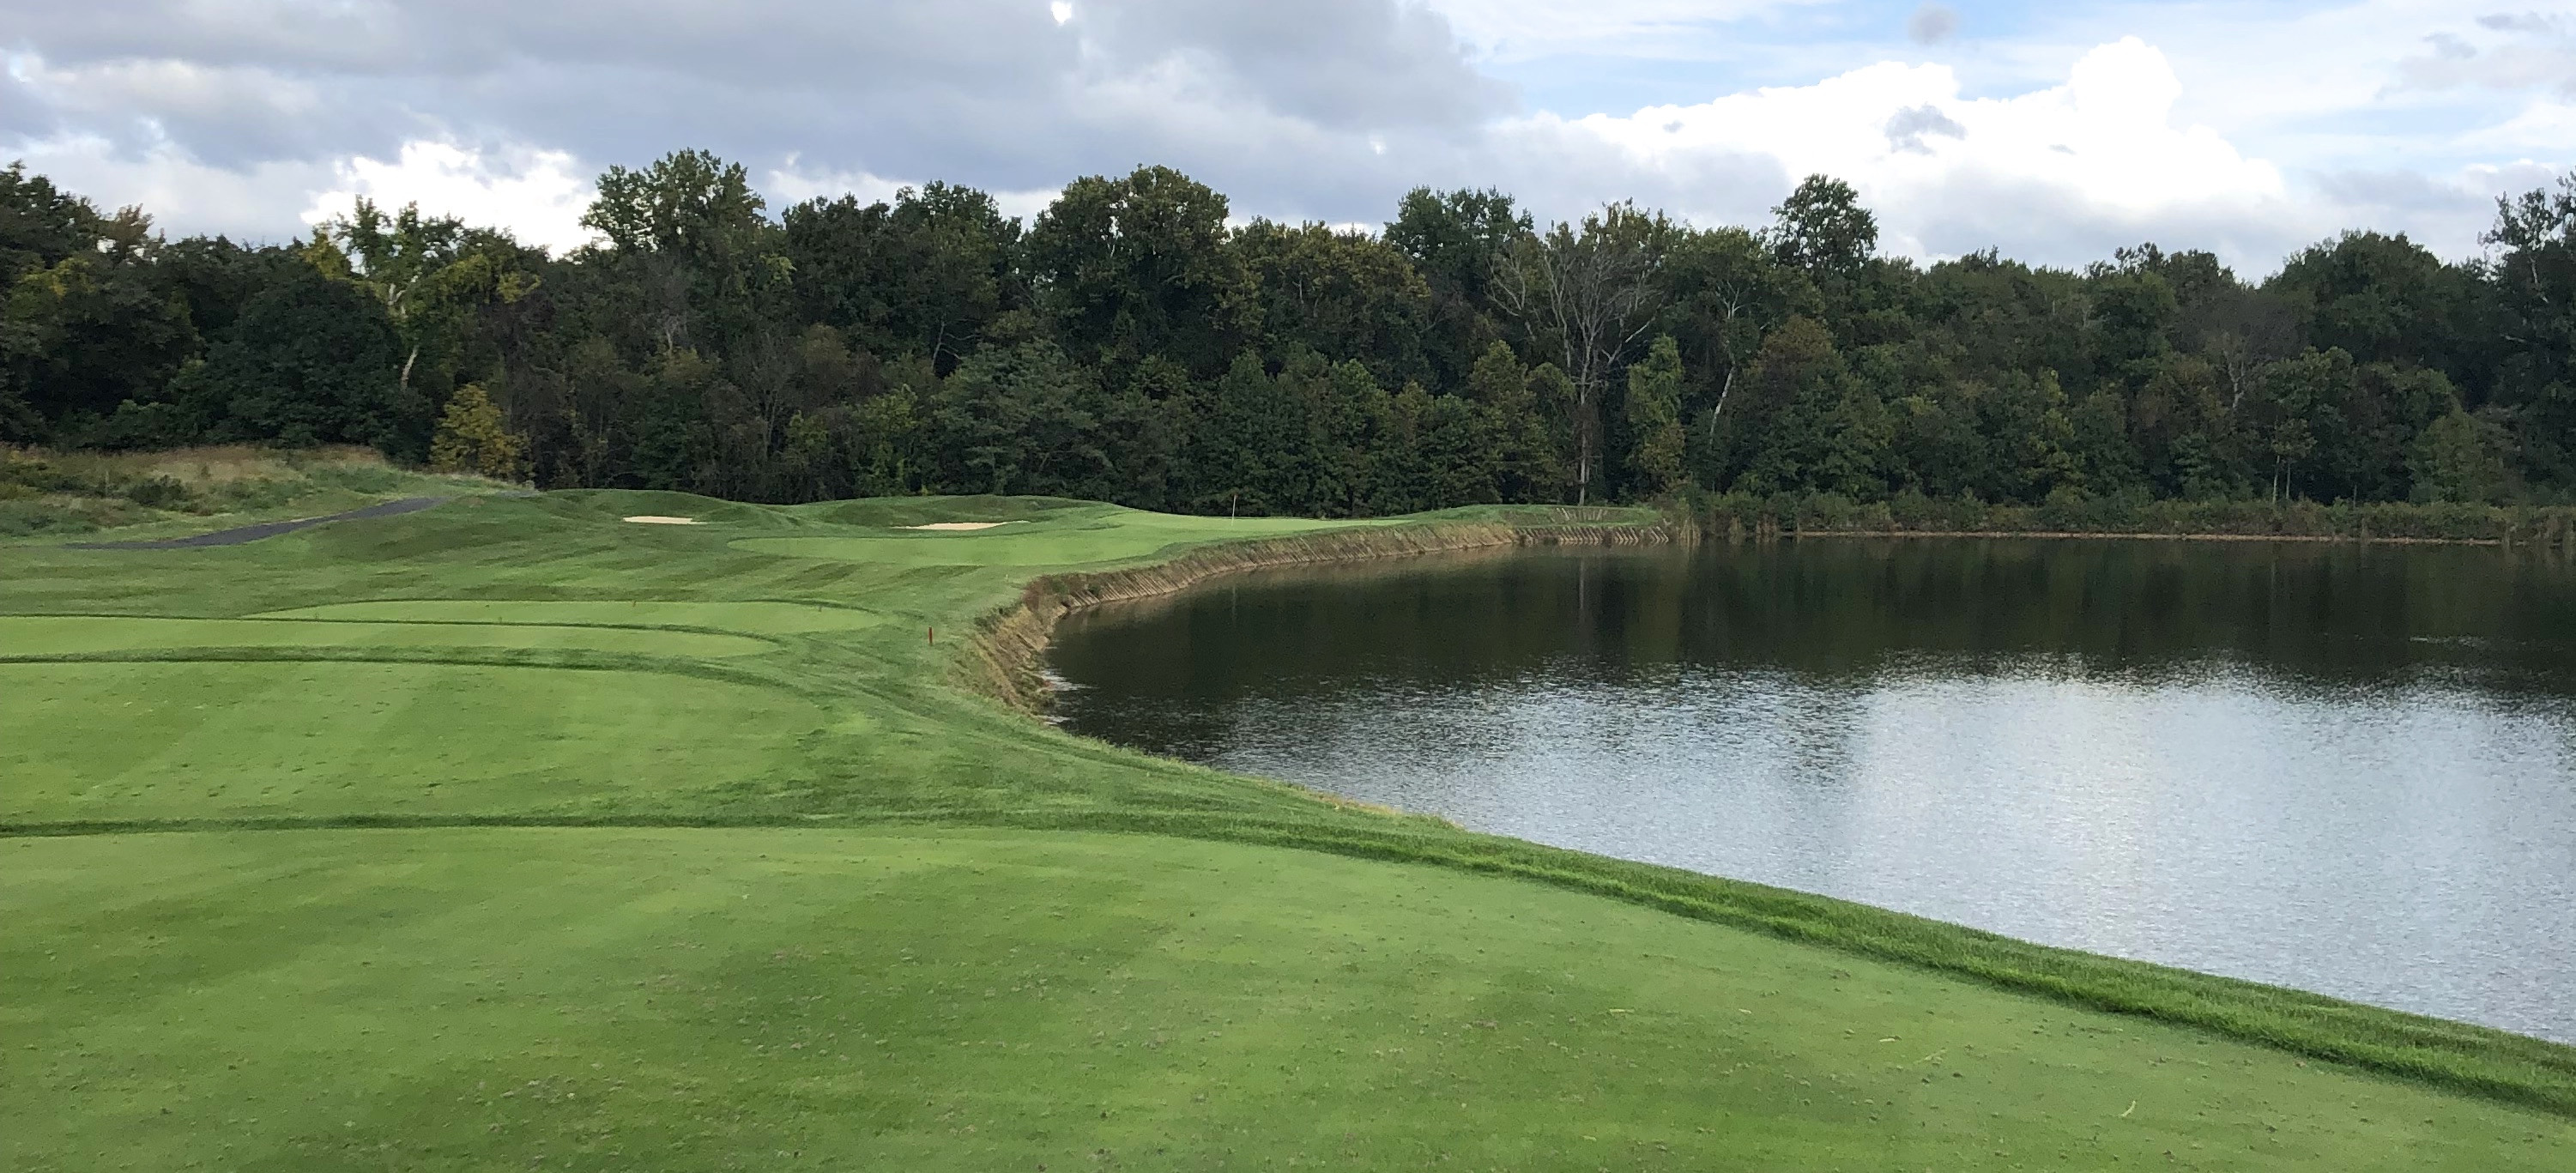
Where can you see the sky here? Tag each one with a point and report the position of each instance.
(2054, 132)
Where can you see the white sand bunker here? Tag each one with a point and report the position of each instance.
(954, 526)
(649, 519)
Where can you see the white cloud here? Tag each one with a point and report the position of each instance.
(2250, 129)
(181, 193)
(538, 195)
(2101, 147)
(791, 184)
(121, 85)
(2517, 51)
(1514, 29)
(2544, 125)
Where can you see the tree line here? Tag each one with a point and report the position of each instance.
(1133, 343)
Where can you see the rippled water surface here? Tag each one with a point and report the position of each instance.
(2349, 770)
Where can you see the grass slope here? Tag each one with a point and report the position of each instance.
(620, 999)
(317, 998)
(47, 496)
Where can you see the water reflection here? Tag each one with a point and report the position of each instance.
(2351, 770)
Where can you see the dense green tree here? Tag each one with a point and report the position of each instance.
(1722, 292)
(1141, 265)
(1454, 239)
(2103, 458)
(1762, 447)
(2383, 299)
(1132, 345)
(1519, 407)
(310, 361)
(1823, 229)
(2460, 458)
(1345, 295)
(1146, 427)
(85, 335)
(434, 275)
(1654, 405)
(473, 438)
(1017, 420)
(690, 231)
(41, 224)
(2299, 402)
(1352, 421)
(2134, 314)
(927, 275)
(86, 324)
(1457, 446)
(2534, 287)
(1984, 314)
(887, 436)
(2384, 409)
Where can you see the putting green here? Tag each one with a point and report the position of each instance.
(199, 740)
(573, 999)
(52, 635)
(758, 618)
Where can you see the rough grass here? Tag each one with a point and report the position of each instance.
(848, 717)
(45, 495)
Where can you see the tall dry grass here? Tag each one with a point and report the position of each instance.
(203, 467)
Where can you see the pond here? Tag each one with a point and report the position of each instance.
(2348, 769)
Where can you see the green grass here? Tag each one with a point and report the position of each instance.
(756, 618)
(671, 801)
(48, 636)
(1044, 543)
(707, 999)
(239, 740)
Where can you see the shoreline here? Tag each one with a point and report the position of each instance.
(1009, 646)
(2396, 523)
(2117, 535)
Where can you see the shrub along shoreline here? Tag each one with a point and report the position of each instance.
(2075, 515)
(1011, 642)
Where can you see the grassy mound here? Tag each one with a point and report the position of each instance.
(187, 727)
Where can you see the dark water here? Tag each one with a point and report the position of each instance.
(2343, 769)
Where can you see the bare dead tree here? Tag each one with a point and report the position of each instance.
(1732, 303)
(1585, 293)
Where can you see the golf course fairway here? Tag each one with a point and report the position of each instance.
(511, 834)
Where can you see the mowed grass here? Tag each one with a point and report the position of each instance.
(540, 657)
(48, 635)
(757, 618)
(849, 854)
(1045, 542)
(136, 742)
(587, 999)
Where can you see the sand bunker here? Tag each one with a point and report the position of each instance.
(953, 526)
(649, 519)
